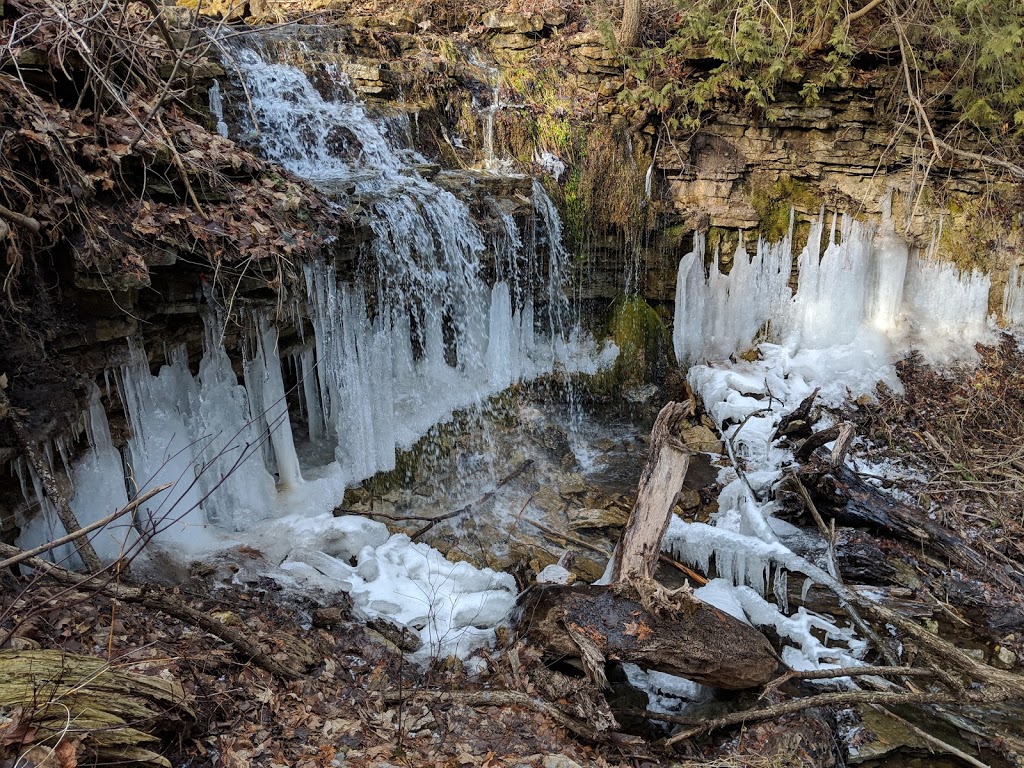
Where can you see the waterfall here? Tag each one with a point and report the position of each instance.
(438, 317)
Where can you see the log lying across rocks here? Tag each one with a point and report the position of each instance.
(634, 619)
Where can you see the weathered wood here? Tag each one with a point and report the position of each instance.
(637, 554)
(697, 642)
(113, 712)
(60, 503)
(842, 494)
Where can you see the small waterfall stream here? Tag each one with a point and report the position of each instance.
(439, 316)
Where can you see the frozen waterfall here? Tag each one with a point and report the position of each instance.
(437, 318)
(859, 302)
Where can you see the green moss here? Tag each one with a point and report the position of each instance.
(643, 342)
(773, 203)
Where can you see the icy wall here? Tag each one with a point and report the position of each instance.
(438, 318)
(864, 289)
(860, 302)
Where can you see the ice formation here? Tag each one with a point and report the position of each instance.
(417, 335)
(864, 288)
(860, 302)
(1013, 299)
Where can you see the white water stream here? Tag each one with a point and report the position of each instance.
(419, 337)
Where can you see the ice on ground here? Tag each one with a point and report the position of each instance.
(453, 607)
(861, 302)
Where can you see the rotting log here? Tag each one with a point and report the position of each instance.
(696, 641)
(51, 697)
(634, 619)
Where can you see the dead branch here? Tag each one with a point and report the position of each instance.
(996, 162)
(841, 699)
(20, 219)
(60, 503)
(154, 598)
(130, 507)
(861, 12)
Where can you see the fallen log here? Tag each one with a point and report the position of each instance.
(697, 641)
(60, 702)
(634, 619)
(840, 493)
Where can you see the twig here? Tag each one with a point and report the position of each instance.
(567, 537)
(1013, 168)
(20, 219)
(448, 515)
(130, 507)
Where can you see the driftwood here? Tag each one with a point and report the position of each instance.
(637, 554)
(634, 619)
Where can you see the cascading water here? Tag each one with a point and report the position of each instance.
(416, 334)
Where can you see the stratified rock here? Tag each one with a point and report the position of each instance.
(613, 517)
(520, 23)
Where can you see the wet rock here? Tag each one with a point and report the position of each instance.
(641, 394)
(572, 484)
(689, 499)
(331, 616)
(702, 439)
(548, 500)
(876, 736)
(613, 517)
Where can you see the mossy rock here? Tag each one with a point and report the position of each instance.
(644, 346)
(774, 201)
